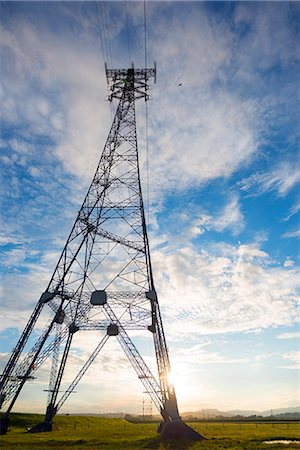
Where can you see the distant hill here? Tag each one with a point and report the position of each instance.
(284, 413)
(281, 411)
(279, 414)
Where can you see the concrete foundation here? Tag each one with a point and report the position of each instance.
(179, 430)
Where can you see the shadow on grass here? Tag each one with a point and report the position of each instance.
(159, 444)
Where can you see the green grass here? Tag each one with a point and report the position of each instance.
(79, 433)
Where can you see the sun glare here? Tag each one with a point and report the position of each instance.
(177, 378)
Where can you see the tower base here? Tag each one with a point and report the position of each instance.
(43, 427)
(179, 430)
(4, 422)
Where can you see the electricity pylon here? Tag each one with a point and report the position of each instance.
(103, 280)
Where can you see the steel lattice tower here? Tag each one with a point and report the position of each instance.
(103, 279)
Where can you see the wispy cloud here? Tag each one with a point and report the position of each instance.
(294, 210)
(292, 234)
(281, 179)
(186, 223)
(230, 218)
(200, 356)
(214, 143)
(294, 359)
(289, 335)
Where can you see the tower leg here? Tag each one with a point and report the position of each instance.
(51, 408)
(173, 427)
(5, 419)
(4, 422)
(179, 430)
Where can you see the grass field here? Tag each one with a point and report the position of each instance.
(79, 433)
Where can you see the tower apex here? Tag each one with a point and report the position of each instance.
(135, 79)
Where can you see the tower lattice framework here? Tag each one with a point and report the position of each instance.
(103, 280)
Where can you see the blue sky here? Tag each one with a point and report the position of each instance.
(223, 185)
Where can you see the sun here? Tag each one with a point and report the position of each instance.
(178, 379)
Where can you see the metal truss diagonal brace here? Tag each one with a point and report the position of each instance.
(142, 370)
(81, 372)
(113, 237)
(139, 365)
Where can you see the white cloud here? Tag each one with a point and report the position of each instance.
(22, 285)
(259, 359)
(248, 252)
(20, 146)
(8, 239)
(289, 335)
(74, 116)
(292, 234)
(270, 37)
(230, 218)
(190, 224)
(294, 210)
(231, 289)
(282, 179)
(199, 356)
(13, 257)
(215, 142)
(294, 358)
(35, 172)
(288, 262)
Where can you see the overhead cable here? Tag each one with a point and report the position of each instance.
(101, 48)
(128, 38)
(145, 31)
(106, 29)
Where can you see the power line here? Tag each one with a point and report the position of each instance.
(105, 22)
(104, 40)
(101, 48)
(145, 31)
(146, 116)
(128, 38)
(103, 32)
